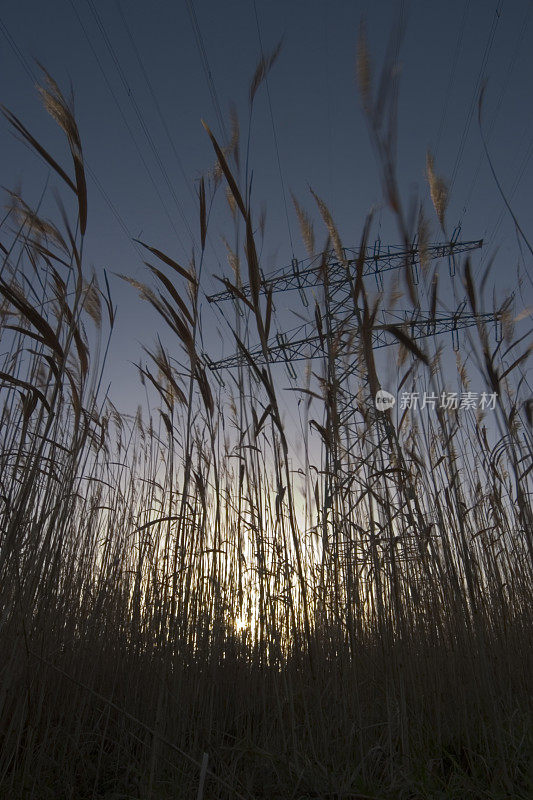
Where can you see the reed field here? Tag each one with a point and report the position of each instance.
(184, 614)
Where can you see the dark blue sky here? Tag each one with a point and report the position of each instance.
(448, 49)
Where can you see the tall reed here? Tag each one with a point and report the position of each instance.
(163, 597)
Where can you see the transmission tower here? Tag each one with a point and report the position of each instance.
(338, 325)
(335, 336)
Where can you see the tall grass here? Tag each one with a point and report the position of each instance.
(162, 595)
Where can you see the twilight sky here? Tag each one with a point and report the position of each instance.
(139, 72)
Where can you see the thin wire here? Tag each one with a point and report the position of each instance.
(34, 80)
(274, 133)
(17, 51)
(128, 126)
(205, 65)
(518, 228)
(154, 98)
(327, 82)
(451, 79)
(162, 118)
(516, 183)
(475, 94)
(503, 91)
(140, 117)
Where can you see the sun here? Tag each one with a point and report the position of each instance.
(241, 624)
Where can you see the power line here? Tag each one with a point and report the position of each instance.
(475, 94)
(34, 80)
(274, 132)
(154, 98)
(451, 79)
(126, 123)
(140, 117)
(518, 177)
(18, 52)
(162, 118)
(503, 92)
(206, 68)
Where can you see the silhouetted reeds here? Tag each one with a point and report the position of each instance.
(162, 594)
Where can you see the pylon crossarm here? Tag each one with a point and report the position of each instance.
(301, 345)
(309, 273)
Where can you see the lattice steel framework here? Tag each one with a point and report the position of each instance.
(338, 333)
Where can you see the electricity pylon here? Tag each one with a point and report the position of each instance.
(335, 336)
